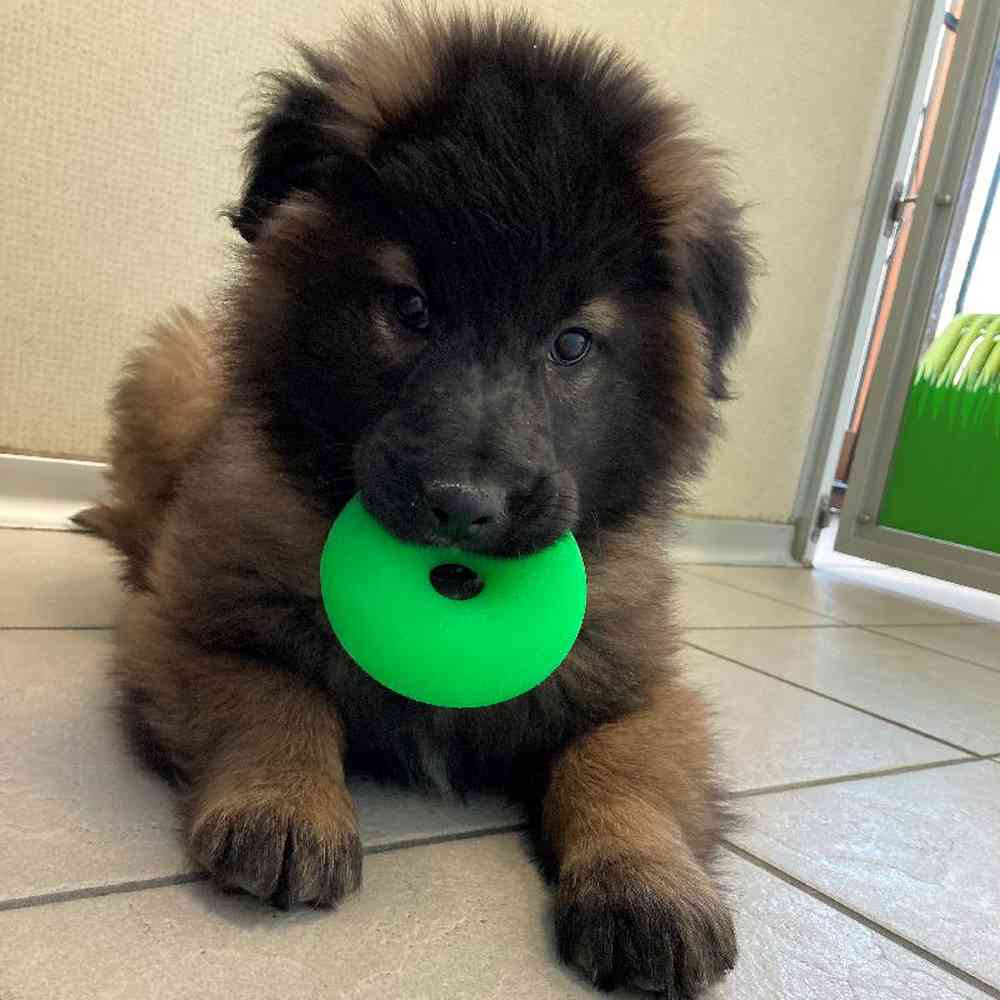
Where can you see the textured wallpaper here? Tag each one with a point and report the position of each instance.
(121, 142)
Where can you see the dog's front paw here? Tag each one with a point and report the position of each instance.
(647, 923)
(287, 847)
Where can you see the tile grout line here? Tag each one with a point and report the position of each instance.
(761, 628)
(873, 629)
(928, 625)
(57, 628)
(189, 878)
(96, 891)
(448, 838)
(841, 779)
(777, 600)
(822, 614)
(915, 949)
(838, 701)
(69, 530)
(831, 625)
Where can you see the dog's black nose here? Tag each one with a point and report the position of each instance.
(466, 512)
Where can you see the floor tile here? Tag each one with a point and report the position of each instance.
(56, 579)
(79, 813)
(390, 817)
(826, 593)
(978, 643)
(979, 604)
(919, 853)
(703, 603)
(771, 733)
(467, 920)
(795, 947)
(939, 696)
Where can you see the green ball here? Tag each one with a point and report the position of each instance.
(452, 653)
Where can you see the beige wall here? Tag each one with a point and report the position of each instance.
(120, 127)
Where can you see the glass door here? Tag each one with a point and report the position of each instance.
(924, 491)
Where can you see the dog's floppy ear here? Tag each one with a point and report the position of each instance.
(721, 265)
(289, 150)
(709, 251)
(320, 121)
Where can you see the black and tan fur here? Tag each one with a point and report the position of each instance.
(521, 184)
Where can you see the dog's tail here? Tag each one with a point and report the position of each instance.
(161, 407)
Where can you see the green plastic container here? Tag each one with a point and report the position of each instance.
(944, 481)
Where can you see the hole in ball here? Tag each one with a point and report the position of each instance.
(457, 582)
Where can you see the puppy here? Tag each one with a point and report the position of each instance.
(490, 282)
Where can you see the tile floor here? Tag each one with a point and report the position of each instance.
(862, 733)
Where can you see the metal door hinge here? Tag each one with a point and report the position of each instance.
(896, 204)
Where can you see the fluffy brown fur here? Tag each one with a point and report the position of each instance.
(235, 443)
(163, 404)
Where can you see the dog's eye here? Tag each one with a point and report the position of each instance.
(412, 310)
(571, 346)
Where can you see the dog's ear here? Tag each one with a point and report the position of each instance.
(709, 252)
(290, 149)
(721, 265)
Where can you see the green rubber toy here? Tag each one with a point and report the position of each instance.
(519, 624)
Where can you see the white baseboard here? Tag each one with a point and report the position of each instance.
(731, 542)
(45, 492)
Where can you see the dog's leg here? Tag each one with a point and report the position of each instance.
(631, 822)
(260, 752)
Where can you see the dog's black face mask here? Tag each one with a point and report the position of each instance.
(475, 320)
(497, 435)
(469, 456)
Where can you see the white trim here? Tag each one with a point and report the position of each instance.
(45, 492)
(732, 542)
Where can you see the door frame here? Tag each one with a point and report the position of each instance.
(933, 222)
(847, 352)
